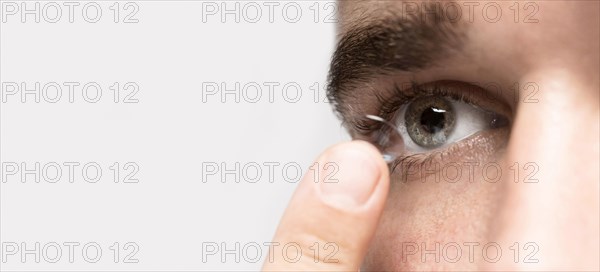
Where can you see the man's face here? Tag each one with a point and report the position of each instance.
(497, 104)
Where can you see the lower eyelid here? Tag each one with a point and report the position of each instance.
(478, 147)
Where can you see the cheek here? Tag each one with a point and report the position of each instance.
(443, 211)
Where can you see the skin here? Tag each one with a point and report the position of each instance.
(552, 139)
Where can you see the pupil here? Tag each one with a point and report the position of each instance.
(432, 120)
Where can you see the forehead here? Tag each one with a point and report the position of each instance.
(525, 31)
(501, 42)
(545, 13)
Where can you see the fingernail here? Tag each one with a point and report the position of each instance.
(349, 174)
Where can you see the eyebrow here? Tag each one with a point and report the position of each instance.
(394, 43)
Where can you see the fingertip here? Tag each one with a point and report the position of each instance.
(339, 204)
(361, 175)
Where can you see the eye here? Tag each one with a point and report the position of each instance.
(425, 118)
(434, 121)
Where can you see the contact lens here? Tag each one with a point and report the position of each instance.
(386, 138)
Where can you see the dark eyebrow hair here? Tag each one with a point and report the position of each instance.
(393, 43)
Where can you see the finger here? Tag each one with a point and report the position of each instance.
(333, 215)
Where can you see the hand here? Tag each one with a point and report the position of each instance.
(332, 217)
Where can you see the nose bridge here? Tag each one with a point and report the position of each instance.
(550, 190)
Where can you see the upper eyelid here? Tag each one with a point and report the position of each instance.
(468, 92)
(388, 102)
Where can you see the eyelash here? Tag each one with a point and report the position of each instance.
(388, 109)
(388, 106)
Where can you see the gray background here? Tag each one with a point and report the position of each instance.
(170, 53)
